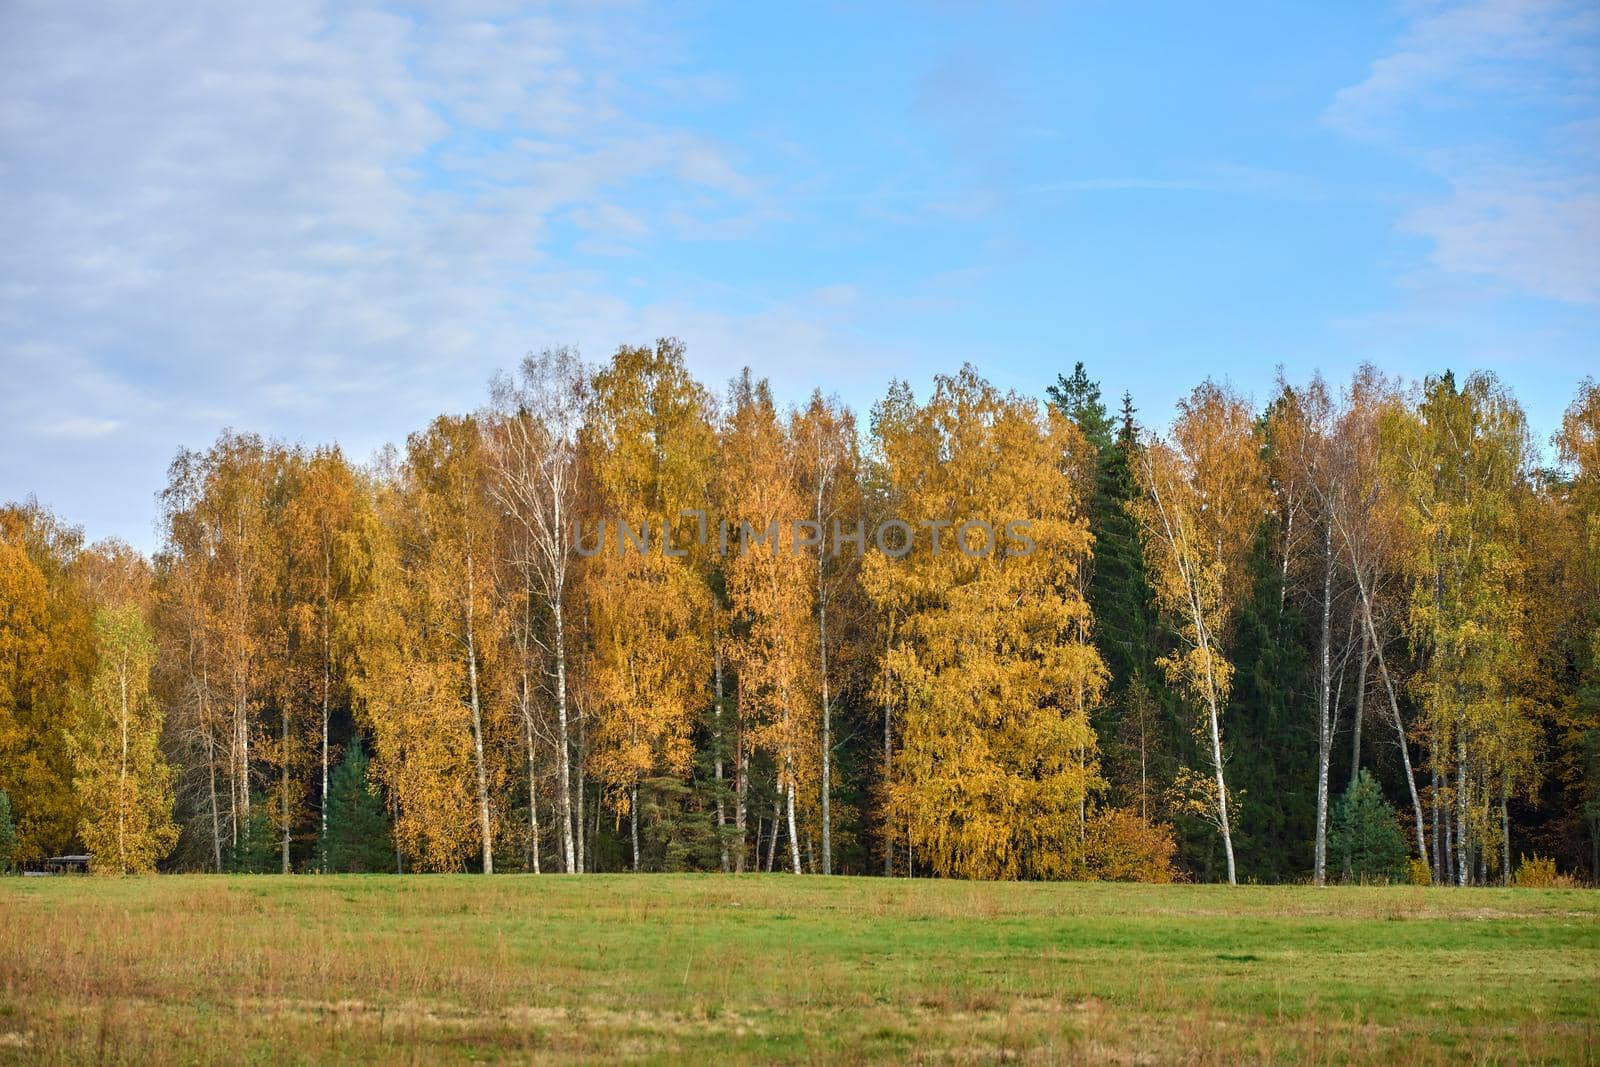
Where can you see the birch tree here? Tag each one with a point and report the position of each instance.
(427, 673)
(1367, 524)
(648, 438)
(533, 440)
(771, 590)
(320, 525)
(1458, 462)
(1204, 496)
(119, 772)
(995, 681)
(824, 437)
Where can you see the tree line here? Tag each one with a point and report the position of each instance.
(1354, 634)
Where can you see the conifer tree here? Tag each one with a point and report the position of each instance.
(357, 840)
(1127, 631)
(8, 834)
(1365, 840)
(256, 850)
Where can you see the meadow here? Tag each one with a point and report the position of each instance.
(662, 968)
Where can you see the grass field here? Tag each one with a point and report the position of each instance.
(420, 969)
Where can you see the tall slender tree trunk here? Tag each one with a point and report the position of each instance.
(741, 805)
(583, 838)
(211, 773)
(533, 775)
(1203, 640)
(633, 825)
(1222, 787)
(716, 720)
(1361, 708)
(283, 780)
(1449, 845)
(1505, 831)
(394, 818)
(1463, 869)
(569, 855)
(827, 734)
(241, 774)
(1399, 723)
(122, 770)
(794, 840)
(888, 752)
(777, 821)
(327, 671)
(1324, 698)
(477, 730)
(1438, 824)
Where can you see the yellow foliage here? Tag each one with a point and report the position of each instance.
(991, 666)
(46, 654)
(649, 444)
(1203, 496)
(425, 677)
(114, 735)
(1537, 872)
(1120, 846)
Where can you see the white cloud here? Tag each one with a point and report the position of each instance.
(1523, 207)
(1451, 51)
(1541, 235)
(82, 428)
(310, 219)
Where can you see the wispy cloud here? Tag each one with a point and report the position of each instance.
(1451, 52)
(227, 211)
(1523, 201)
(81, 428)
(1540, 234)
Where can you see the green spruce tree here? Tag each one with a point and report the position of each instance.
(1365, 841)
(358, 839)
(8, 834)
(1275, 775)
(257, 849)
(1139, 723)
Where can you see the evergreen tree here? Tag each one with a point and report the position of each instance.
(1277, 780)
(358, 839)
(256, 850)
(1078, 399)
(8, 833)
(1126, 628)
(1365, 838)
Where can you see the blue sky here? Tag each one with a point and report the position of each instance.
(330, 222)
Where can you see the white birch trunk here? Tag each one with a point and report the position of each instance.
(569, 854)
(477, 730)
(1324, 718)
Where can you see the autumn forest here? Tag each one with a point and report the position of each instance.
(1346, 632)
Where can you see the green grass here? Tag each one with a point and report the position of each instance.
(670, 968)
